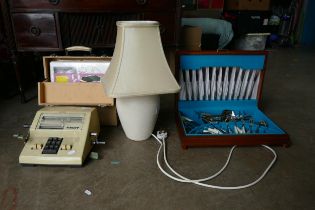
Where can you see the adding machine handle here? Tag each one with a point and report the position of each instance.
(78, 48)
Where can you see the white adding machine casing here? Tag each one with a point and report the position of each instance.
(61, 135)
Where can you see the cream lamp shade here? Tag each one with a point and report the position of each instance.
(138, 66)
(137, 74)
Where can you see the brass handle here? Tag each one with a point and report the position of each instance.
(141, 2)
(54, 2)
(35, 30)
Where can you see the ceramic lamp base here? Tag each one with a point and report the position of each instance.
(138, 115)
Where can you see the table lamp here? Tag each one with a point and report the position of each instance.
(137, 75)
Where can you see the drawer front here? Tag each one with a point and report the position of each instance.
(35, 31)
(127, 5)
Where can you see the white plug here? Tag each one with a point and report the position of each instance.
(162, 134)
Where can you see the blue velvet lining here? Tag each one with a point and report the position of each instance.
(196, 62)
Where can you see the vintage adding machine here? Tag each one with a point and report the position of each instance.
(61, 136)
(219, 101)
(64, 132)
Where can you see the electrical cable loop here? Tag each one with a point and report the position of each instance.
(180, 178)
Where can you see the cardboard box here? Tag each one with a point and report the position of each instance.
(191, 37)
(79, 93)
(219, 100)
(259, 5)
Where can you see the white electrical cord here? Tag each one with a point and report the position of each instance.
(161, 136)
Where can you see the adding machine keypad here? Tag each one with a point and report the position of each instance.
(52, 145)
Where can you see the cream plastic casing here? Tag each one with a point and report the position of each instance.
(79, 139)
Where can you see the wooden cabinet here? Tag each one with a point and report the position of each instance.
(69, 5)
(46, 26)
(52, 25)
